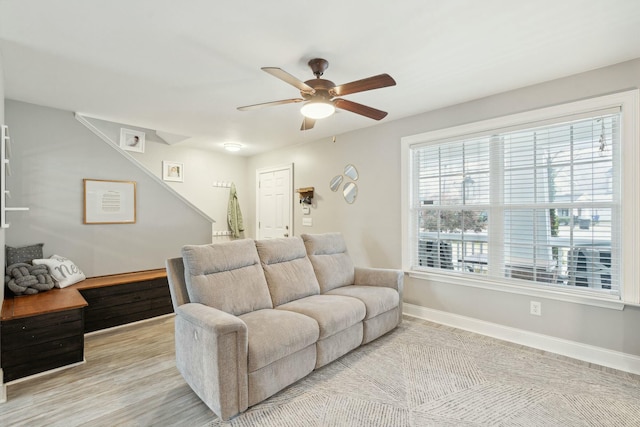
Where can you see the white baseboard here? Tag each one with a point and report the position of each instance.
(127, 325)
(3, 388)
(50, 371)
(587, 353)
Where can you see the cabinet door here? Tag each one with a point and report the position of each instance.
(39, 343)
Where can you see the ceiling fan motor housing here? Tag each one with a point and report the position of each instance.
(318, 66)
(321, 87)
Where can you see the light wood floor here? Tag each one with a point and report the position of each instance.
(129, 379)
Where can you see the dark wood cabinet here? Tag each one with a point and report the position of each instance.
(125, 303)
(46, 331)
(41, 332)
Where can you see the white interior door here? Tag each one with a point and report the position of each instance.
(274, 202)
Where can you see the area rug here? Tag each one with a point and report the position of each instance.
(423, 374)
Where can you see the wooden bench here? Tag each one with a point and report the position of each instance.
(119, 299)
(45, 331)
(41, 332)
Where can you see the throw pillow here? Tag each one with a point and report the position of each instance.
(63, 270)
(23, 253)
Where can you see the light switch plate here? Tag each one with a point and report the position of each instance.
(307, 222)
(306, 210)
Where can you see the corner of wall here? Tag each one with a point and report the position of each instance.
(3, 388)
(67, 153)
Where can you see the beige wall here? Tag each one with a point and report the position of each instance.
(201, 169)
(372, 224)
(52, 153)
(374, 216)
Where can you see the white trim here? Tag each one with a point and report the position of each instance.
(406, 189)
(3, 388)
(630, 270)
(587, 353)
(50, 371)
(129, 157)
(126, 325)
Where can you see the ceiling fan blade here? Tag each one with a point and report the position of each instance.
(288, 78)
(307, 123)
(363, 110)
(269, 104)
(375, 82)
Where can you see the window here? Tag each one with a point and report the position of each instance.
(534, 199)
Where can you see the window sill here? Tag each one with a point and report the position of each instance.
(612, 303)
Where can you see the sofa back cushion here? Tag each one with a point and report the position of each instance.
(288, 271)
(226, 276)
(330, 259)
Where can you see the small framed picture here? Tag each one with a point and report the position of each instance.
(172, 171)
(132, 140)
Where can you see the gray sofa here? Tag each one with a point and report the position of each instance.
(253, 317)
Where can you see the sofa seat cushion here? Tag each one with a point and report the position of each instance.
(274, 334)
(377, 299)
(334, 313)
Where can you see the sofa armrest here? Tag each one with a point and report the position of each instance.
(217, 321)
(211, 355)
(379, 277)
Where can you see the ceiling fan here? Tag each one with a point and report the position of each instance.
(320, 95)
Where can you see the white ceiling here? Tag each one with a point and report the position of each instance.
(183, 67)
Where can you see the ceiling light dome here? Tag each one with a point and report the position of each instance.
(232, 146)
(318, 109)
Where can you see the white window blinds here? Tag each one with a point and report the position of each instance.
(537, 204)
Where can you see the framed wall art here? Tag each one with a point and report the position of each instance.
(132, 140)
(172, 171)
(109, 202)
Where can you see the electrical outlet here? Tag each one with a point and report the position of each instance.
(536, 308)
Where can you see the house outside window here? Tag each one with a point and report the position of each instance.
(531, 200)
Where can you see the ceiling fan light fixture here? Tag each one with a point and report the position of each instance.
(232, 146)
(318, 109)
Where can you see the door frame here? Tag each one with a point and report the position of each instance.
(288, 167)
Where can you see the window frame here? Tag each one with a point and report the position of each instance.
(628, 102)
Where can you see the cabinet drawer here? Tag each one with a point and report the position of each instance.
(40, 353)
(43, 334)
(126, 288)
(54, 355)
(136, 306)
(108, 317)
(116, 299)
(26, 324)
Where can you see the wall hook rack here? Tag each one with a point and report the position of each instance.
(306, 195)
